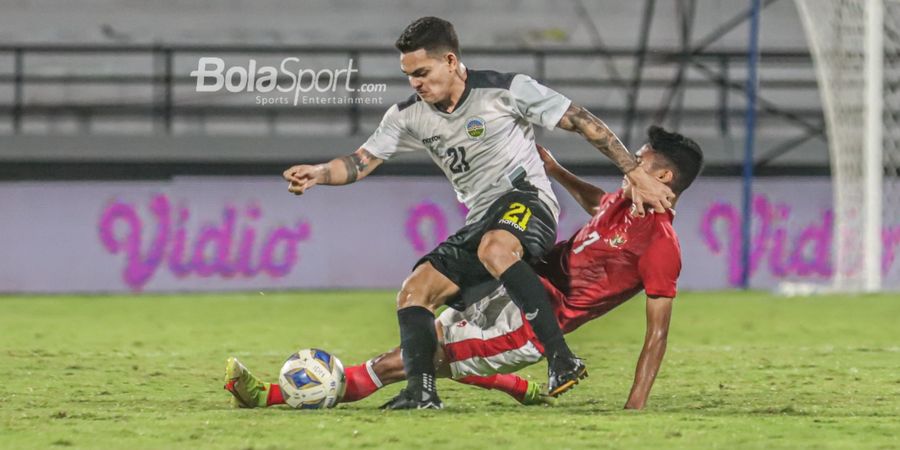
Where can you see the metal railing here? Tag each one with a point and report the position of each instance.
(164, 107)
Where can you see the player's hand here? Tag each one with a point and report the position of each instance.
(550, 163)
(301, 178)
(648, 190)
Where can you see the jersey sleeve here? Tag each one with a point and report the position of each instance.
(391, 136)
(537, 103)
(660, 266)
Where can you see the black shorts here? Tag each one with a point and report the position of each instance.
(520, 212)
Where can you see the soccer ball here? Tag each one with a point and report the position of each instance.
(312, 379)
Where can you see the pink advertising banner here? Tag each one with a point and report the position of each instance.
(223, 234)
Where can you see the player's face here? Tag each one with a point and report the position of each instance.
(646, 159)
(431, 76)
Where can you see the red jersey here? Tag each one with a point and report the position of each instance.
(609, 260)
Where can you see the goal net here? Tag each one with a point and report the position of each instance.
(855, 45)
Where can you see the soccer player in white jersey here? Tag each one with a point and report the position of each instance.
(478, 127)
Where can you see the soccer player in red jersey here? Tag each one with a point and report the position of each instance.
(609, 260)
(478, 127)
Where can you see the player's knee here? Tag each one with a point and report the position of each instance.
(414, 292)
(426, 287)
(497, 255)
(405, 297)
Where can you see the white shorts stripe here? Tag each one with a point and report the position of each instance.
(493, 317)
(506, 362)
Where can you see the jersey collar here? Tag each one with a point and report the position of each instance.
(462, 98)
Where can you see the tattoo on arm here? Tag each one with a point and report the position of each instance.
(581, 121)
(326, 174)
(350, 163)
(355, 163)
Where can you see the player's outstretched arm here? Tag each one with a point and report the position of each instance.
(659, 312)
(645, 189)
(586, 194)
(339, 171)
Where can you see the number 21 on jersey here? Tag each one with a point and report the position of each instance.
(458, 163)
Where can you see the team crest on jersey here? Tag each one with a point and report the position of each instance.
(616, 241)
(475, 127)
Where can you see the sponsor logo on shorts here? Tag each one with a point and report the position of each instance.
(475, 127)
(531, 315)
(512, 224)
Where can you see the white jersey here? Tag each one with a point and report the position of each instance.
(483, 146)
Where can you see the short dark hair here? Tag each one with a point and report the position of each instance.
(681, 154)
(431, 33)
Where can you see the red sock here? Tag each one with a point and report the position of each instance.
(509, 383)
(359, 386)
(360, 383)
(274, 396)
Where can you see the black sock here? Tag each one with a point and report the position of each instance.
(418, 339)
(527, 292)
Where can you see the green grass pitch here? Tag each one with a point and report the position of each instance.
(744, 370)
